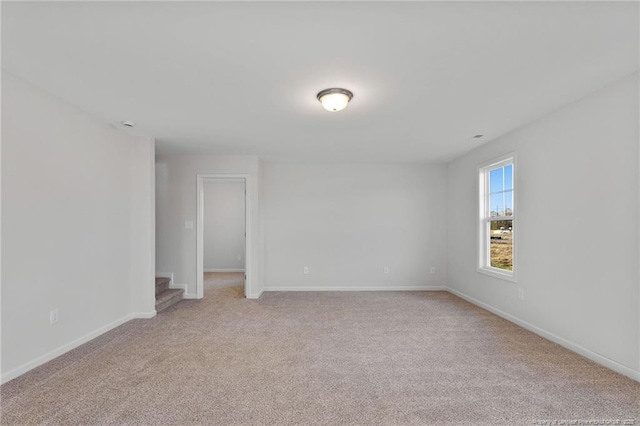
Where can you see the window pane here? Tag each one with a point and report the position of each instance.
(508, 203)
(501, 244)
(501, 204)
(496, 205)
(495, 180)
(508, 177)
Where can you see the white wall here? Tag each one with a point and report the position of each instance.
(176, 201)
(143, 227)
(224, 223)
(577, 229)
(77, 219)
(346, 222)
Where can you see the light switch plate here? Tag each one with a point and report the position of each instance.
(53, 317)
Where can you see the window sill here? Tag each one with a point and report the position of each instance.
(496, 273)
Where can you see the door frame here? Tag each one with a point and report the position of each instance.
(200, 178)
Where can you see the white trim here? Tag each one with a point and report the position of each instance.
(380, 288)
(597, 358)
(255, 296)
(173, 285)
(223, 270)
(18, 371)
(495, 273)
(229, 180)
(144, 315)
(184, 287)
(200, 177)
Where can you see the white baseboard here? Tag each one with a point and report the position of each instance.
(597, 358)
(179, 286)
(185, 287)
(377, 288)
(223, 270)
(255, 296)
(18, 371)
(144, 315)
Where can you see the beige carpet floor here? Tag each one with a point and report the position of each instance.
(362, 358)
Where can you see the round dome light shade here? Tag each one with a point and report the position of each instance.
(335, 99)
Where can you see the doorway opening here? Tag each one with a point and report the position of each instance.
(223, 234)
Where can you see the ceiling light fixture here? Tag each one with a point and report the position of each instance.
(478, 136)
(127, 123)
(335, 99)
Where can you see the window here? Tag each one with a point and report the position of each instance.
(497, 218)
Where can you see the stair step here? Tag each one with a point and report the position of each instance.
(162, 284)
(168, 298)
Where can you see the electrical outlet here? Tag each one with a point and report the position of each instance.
(239, 257)
(305, 270)
(433, 270)
(53, 317)
(521, 294)
(386, 270)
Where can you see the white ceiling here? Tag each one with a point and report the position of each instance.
(241, 77)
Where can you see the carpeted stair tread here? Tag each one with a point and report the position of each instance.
(162, 280)
(162, 284)
(168, 298)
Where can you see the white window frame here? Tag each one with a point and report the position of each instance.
(484, 237)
